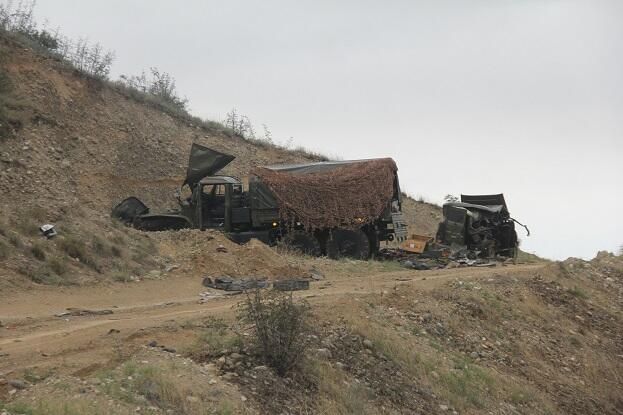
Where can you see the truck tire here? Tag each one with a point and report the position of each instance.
(348, 243)
(303, 242)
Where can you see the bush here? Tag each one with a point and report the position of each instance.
(4, 250)
(280, 327)
(158, 84)
(38, 252)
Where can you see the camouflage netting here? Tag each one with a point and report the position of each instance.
(346, 196)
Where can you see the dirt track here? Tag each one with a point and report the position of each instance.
(33, 336)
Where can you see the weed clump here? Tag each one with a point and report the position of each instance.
(38, 252)
(280, 327)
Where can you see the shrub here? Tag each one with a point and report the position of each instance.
(38, 252)
(280, 327)
(58, 266)
(75, 248)
(158, 84)
(4, 250)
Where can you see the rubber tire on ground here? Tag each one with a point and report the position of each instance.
(345, 243)
(303, 242)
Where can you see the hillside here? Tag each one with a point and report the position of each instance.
(78, 146)
(104, 319)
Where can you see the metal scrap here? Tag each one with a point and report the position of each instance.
(234, 284)
(291, 285)
(77, 312)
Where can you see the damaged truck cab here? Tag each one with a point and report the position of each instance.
(482, 224)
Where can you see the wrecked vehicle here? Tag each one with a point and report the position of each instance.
(482, 224)
(336, 208)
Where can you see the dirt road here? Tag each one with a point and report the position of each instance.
(32, 335)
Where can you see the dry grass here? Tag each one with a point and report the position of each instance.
(338, 394)
(169, 386)
(60, 407)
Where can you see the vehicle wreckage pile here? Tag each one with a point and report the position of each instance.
(477, 231)
(335, 208)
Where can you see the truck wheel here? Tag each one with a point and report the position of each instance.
(303, 242)
(348, 243)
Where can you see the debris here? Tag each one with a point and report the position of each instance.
(420, 266)
(83, 312)
(231, 284)
(315, 274)
(48, 230)
(172, 267)
(291, 285)
(481, 225)
(417, 244)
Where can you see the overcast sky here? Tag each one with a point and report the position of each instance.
(523, 97)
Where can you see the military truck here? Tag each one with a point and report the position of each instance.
(352, 209)
(482, 224)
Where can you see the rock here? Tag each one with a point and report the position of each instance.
(152, 343)
(434, 374)
(368, 344)
(243, 398)
(154, 273)
(229, 376)
(18, 384)
(340, 365)
(212, 382)
(170, 268)
(236, 357)
(192, 399)
(260, 368)
(473, 355)
(169, 350)
(324, 353)
(443, 407)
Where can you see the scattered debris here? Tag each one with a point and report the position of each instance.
(315, 274)
(83, 312)
(291, 285)
(416, 244)
(230, 284)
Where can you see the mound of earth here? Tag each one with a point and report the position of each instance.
(210, 253)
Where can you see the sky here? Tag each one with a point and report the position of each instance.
(521, 97)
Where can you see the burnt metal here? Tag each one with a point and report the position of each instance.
(291, 285)
(234, 284)
(479, 226)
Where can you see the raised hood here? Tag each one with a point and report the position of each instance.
(204, 162)
(486, 200)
